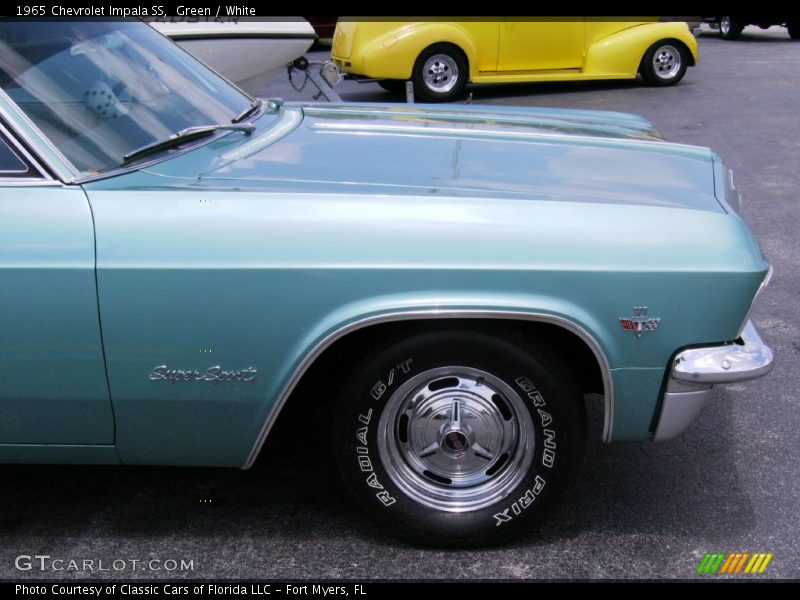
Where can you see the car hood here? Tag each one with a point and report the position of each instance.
(469, 151)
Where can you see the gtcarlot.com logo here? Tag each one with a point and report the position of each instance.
(45, 562)
(720, 563)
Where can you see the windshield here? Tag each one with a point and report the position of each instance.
(101, 89)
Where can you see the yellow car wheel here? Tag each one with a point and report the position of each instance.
(665, 63)
(440, 73)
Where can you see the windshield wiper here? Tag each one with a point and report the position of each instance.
(254, 106)
(182, 136)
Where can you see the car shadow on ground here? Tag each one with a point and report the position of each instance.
(503, 91)
(511, 90)
(688, 486)
(750, 37)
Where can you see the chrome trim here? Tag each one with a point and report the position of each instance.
(13, 139)
(177, 36)
(10, 172)
(66, 172)
(459, 435)
(442, 114)
(28, 182)
(639, 322)
(288, 120)
(436, 71)
(143, 165)
(760, 289)
(725, 364)
(678, 410)
(666, 58)
(75, 176)
(326, 342)
(695, 371)
(480, 117)
(471, 132)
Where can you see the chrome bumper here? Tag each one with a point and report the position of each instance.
(696, 371)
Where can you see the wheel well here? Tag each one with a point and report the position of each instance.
(689, 56)
(335, 362)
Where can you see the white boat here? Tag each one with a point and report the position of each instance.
(248, 53)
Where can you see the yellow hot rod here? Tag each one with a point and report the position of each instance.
(441, 57)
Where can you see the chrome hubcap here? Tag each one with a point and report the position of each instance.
(725, 25)
(455, 438)
(667, 62)
(440, 73)
(455, 443)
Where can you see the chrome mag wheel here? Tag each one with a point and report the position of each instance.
(667, 61)
(440, 73)
(455, 439)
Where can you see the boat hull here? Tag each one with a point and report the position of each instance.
(249, 54)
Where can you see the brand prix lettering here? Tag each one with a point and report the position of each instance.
(215, 374)
(548, 455)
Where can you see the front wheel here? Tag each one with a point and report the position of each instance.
(794, 30)
(440, 73)
(459, 438)
(730, 28)
(665, 63)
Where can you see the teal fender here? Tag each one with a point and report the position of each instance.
(256, 252)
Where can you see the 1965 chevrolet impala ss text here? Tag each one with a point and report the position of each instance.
(176, 257)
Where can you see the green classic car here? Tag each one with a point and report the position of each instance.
(455, 282)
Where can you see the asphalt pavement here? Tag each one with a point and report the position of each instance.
(731, 483)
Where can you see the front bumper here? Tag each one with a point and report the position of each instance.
(695, 372)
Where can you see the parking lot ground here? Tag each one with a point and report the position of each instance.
(731, 483)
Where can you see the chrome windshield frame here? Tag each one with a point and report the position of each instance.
(65, 171)
(47, 154)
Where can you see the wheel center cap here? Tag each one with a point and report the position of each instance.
(455, 443)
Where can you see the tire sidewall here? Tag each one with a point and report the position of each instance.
(422, 90)
(558, 438)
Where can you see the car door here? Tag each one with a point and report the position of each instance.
(53, 387)
(541, 45)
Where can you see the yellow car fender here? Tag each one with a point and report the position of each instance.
(621, 53)
(393, 54)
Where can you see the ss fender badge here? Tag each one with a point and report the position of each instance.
(639, 322)
(215, 374)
